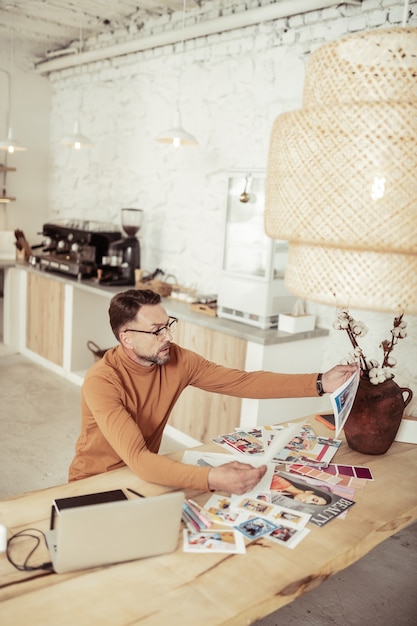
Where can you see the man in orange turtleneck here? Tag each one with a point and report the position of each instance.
(128, 395)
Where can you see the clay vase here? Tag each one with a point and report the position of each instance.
(375, 416)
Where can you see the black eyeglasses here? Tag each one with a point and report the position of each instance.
(170, 327)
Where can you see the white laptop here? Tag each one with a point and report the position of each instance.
(113, 532)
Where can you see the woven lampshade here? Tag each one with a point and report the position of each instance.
(376, 281)
(372, 66)
(341, 183)
(345, 176)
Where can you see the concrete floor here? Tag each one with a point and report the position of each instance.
(39, 418)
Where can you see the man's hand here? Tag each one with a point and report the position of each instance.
(235, 477)
(338, 375)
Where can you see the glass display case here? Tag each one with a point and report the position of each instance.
(251, 284)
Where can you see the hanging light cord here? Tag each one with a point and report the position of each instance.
(183, 25)
(9, 99)
(405, 13)
(8, 113)
(9, 84)
(182, 53)
(80, 47)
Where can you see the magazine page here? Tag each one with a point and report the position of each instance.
(342, 400)
(306, 495)
(241, 442)
(308, 448)
(280, 440)
(250, 444)
(296, 443)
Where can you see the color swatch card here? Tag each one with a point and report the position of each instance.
(335, 474)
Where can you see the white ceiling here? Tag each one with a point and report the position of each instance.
(42, 26)
(43, 30)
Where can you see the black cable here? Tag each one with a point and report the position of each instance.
(24, 567)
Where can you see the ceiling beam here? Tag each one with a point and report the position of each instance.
(284, 8)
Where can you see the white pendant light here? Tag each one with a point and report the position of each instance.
(176, 135)
(10, 144)
(77, 140)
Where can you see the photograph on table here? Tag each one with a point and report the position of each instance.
(276, 514)
(218, 507)
(256, 527)
(211, 541)
(288, 537)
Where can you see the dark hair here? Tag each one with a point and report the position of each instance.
(317, 492)
(322, 492)
(125, 306)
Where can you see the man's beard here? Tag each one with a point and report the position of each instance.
(157, 359)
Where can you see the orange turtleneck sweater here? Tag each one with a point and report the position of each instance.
(125, 407)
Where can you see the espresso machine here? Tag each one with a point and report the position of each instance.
(74, 246)
(123, 257)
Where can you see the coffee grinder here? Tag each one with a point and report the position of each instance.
(118, 268)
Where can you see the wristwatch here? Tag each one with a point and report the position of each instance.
(319, 385)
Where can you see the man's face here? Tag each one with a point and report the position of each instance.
(147, 339)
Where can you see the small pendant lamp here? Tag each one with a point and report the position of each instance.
(10, 144)
(77, 140)
(176, 135)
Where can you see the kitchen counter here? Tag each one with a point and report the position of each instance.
(183, 311)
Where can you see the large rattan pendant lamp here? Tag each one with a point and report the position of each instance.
(342, 175)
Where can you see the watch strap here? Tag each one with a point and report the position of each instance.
(319, 385)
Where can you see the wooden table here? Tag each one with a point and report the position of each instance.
(181, 588)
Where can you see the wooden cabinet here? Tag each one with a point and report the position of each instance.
(200, 414)
(45, 317)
